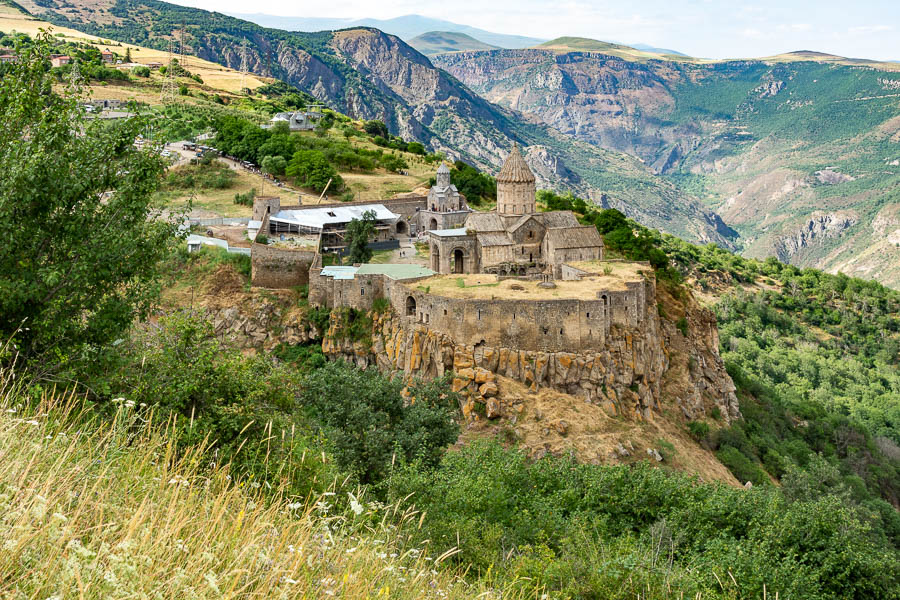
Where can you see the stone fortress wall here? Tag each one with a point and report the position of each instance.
(539, 325)
(278, 268)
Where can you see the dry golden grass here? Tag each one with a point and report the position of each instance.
(220, 203)
(480, 285)
(213, 75)
(94, 509)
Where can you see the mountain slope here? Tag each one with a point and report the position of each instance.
(405, 27)
(800, 153)
(372, 75)
(438, 42)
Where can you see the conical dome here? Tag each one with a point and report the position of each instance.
(515, 169)
(443, 169)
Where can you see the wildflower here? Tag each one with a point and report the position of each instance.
(295, 506)
(32, 422)
(211, 581)
(130, 403)
(355, 506)
(118, 400)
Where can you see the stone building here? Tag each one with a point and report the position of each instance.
(514, 239)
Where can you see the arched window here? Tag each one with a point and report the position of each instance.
(410, 306)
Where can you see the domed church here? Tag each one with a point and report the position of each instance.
(514, 238)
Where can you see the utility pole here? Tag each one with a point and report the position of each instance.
(168, 93)
(244, 67)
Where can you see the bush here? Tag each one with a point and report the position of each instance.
(141, 71)
(698, 429)
(742, 467)
(370, 426)
(245, 199)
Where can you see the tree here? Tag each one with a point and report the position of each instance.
(358, 233)
(274, 165)
(368, 423)
(312, 170)
(128, 55)
(80, 239)
(376, 128)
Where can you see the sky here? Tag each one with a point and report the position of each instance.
(703, 28)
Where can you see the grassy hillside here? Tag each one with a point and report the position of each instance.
(113, 508)
(437, 42)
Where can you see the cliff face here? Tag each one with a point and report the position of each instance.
(640, 372)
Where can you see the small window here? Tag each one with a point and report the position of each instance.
(362, 291)
(589, 315)
(479, 314)
(560, 332)
(445, 312)
(530, 234)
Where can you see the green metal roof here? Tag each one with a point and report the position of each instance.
(395, 271)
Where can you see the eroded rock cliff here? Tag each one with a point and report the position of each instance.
(639, 373)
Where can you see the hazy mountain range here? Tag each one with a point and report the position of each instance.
(409, 27)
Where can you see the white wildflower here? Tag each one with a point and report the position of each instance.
(355, 506)
(211, 581)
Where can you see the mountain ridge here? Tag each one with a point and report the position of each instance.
(405, 27)
(440, 42)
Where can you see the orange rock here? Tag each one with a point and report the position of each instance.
(489, 389)
(483, 376)
(468, 374)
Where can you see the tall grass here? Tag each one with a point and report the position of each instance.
(93, 508)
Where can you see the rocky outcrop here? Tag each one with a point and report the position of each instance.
(262, 324)
(626, 377)
(817, 227)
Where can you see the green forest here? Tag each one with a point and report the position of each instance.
(366, 461)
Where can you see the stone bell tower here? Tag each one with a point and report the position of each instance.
(443, 176)
(516, 187)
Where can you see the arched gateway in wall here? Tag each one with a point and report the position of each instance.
(459, 258)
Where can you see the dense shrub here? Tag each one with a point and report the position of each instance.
(615, 532)
(369, 425)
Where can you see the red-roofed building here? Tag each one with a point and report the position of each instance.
(58, 60)
(8, 58)
(107, 56)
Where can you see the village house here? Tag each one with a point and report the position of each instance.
(107, 56)
(58, 60)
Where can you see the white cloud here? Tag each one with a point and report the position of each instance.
(869, 29)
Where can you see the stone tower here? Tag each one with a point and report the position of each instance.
(515, 186)
(443, 176)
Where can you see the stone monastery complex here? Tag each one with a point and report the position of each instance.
(512, 293)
